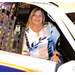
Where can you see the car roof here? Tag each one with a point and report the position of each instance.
(66, 7)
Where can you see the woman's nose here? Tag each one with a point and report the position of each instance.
(37, 16)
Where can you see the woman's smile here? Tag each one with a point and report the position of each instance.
(37, 20)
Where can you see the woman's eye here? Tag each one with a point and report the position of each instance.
(39, 15)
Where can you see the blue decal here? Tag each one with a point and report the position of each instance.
(9, 69)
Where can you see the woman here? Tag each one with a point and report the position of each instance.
(39, 40)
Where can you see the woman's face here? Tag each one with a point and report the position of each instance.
(37, 18)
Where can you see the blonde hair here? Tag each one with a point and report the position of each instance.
(29, 23)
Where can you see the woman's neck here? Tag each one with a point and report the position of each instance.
(37, 29)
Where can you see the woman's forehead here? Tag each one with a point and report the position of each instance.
(38, 11)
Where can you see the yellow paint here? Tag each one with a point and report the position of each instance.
(0, 32)
(16, 66)
(68, 29)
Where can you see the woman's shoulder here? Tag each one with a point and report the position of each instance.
(27, 30)
(48, 24)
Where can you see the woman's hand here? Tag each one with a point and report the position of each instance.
(55, 59)
(25, 53)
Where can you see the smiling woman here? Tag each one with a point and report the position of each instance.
(39, 40)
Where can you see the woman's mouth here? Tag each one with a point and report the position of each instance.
(37, 20)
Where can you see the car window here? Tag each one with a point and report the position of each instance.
(71, 17)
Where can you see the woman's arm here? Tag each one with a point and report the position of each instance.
(54, 32)
(55, 35)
